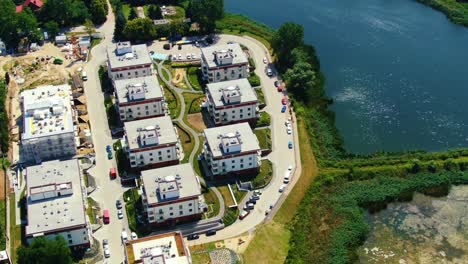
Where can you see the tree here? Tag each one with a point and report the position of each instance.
(133, 14)
(52, 29)
(140, 29)
(98, 10)
(288, 37)
(64, 12)
(206, 12)
(154, 12)
(27, 25)
(89, 27)
(415, 166)
(43, 250)
(120, 23)
(300, 80)
(178, 27)
(8, 20)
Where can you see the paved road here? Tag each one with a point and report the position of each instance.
(108, 191)
(281, 156)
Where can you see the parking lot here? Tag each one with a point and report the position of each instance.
(183, 52)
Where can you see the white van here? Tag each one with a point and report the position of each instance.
(269, 72)
(84, 76)
(124, 236)
(287, 176)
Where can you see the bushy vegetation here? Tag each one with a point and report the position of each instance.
(43, 250)
(264, 119)
(194, 77)
(254, 80)
(456, 10)
(4, 133)
(338, 201)
(264, 138)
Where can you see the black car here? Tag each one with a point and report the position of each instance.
(211, 232)
(276, 83)
(252, 201)
(193, 237)
(118, 204)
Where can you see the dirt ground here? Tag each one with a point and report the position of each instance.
(196, 121)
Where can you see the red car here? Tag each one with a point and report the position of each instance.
(243, 214)
(279, 88)
(284, 101)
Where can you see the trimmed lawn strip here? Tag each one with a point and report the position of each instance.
(15, 230)
(264, 138)
(224, 190)
(230, 216)
(89, 210)
(260, 96)
(261, 179)
(237, 193)
(264, 120)
(192, 102)
(210, 199)
(194, 77)
(171, 99)
(195, 161)
(187, 142)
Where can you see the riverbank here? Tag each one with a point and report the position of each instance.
(456, 11)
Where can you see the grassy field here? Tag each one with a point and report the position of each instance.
(264, 119)
(456, 11)
(172, 100)
(262, 178)
(193, 76)
(260, 96)
(270, 244)
(89, 210)
(187, 143)
(126, 10)
(180, 13)
(15, 230)
(192, 102)
(227, 197)
(264, 138)
(212, 202)
(237, 193)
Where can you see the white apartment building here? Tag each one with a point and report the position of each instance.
(152, 142)
(224, 63)
(139, 98)
(232, 102)
(56, 202)
(126, 61)
(167, 248)
(231, 149)
(49, 130)
(171, 194)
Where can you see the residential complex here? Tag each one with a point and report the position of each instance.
(152, 142)
(56, 202)
(126, 61)
(48, 123)
(168, 248)
(223, 63)
(139, 98)
(171, 194)
(232, 102)
(231, 149)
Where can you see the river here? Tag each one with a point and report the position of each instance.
(397, 70)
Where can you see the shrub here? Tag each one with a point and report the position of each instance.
(254, 80)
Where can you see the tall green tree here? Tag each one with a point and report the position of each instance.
(154, 12)
(8, 20)
(133, 14)
(140, 29)
(43, 250)
(89, 27)
(98, 10)
(288, 37)
(27, 25)
(4, 133)
(64, 12)
(300, 80)
(120, 23)
(52, 29)
(206, 12)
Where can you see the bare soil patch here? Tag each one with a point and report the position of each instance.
(196, 121)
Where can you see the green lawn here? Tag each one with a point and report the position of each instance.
(15, 230)
(112, 114)
(89, 210)
(2, 225)
(227, 197)
(230, 216)
(194, 77)
(262, 178)
(180, 13)
(264, 138)
(260, 96)
(195, 161)
(126, 9)
(238, 193)
(192, 102)
(171, 99)
(187, 142)
(212, 202)
(264, 119)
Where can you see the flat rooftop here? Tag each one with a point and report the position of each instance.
(47, 110)
(142, 88)
(168, 248)
(131, 55)
(148, 132)
(57, 212)
(237, 134)
(240, 88)
(233, 51)
(182, 177)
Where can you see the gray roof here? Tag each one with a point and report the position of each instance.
(217, 135)
(166, 132)
(185, 177)
(47, 111)
(149, 85)
(233, 50)
(242, 86)
(139, 56)
(60, 211)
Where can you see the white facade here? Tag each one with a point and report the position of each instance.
(151, 142)
(232, 102)
(126, 61)
(48, 123)
(56, 202)
(231, 149)
(171, 193)
(139, 98)
(223, 63)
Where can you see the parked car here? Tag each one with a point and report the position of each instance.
(257, 192)
(290, 167)
(279, 88)
(193, 237)
(119, 214)
(290, 144)
(265, 60)
(105, 242)
(109, 155)
(282, 187)
(105, 245)
(134, 236)
(189, 56)
(124, 236)
(249, 206)
(117, 132)
(287, 176)
(105, 216)
(284, 101)
(180, 56)
(243, 214)
(108, 148)
(84, 76)
(252, 201)
(283, 109)
(289, 131)
(58, 61)
(118, 203)
(211, 232)
(277, 83)
(269, 72)
(255, 197)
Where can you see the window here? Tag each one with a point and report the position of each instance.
(128, 73)
(170, 208)
(147, 112)
(151, 154)
(241, 160)
(242, 166)
(190, 210)
(233, 111)
(180, 206)
(161, 218)
(233, 166)
(248, 114)
(190, 204)
(250, 158)
(84, 232)
(168, 151)
(160, 158)
(151, 159)
(250, 164)
(69, 236)
(171, 214)
(241, 116)
(146, 107)
(241, 110)
(233, 161)
(168, 156)
(85, 238)
(159, 152)
(70, 241)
